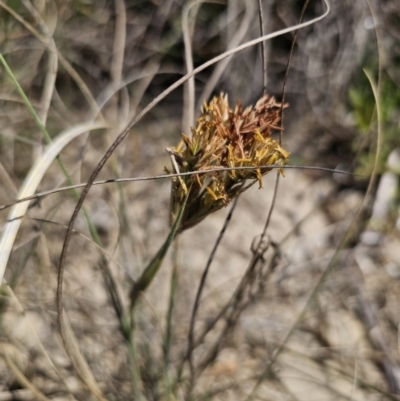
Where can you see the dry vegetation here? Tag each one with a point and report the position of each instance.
(299, 300)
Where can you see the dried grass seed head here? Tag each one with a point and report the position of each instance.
(225, 138)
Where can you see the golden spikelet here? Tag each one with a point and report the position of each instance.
(224, 138)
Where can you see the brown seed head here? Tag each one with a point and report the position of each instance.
(225, 138)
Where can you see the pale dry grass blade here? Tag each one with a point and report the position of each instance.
(119, 43)
(145, 78)
(376, 91)
(189, 91)
(31, 183)
(23, 380)
(49, 83)
(221, 67)
(263, 47)
(79, 362)
(52, 62)
(117, 62)
(12, 98)
(7, 179)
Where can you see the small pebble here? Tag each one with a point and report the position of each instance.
(393, 270)
(371, 238)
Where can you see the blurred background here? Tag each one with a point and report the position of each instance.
(313, 316)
